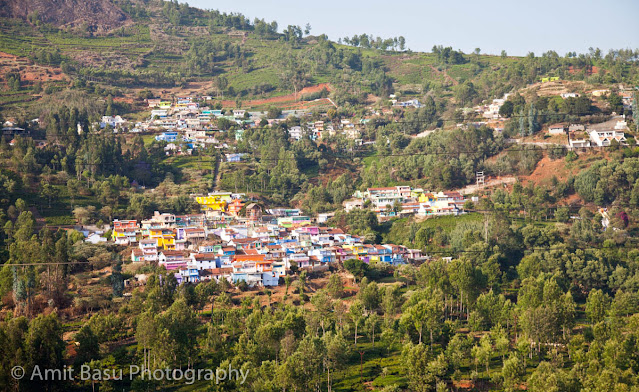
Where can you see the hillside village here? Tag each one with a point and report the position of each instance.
(261, 247)
(195, 192)
(186, 126)
(255, 251)
(187, 123)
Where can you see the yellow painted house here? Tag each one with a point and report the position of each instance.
(355, 248)
(164, 237)
(215, 202)
(426, 197)
(414, 193)
(167, 242)
(117, 235)
(124, 236)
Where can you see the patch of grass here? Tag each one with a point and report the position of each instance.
(148, 139)
(387, 279)
(368, 161)
(460, 72)
(311, 171)
(138, 43)
(17, 97)
(17, 37)
(60, 220)
(266, 75)
(449, 222)
(379, 367)
(191, 162)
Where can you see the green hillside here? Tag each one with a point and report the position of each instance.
(171, 46)
(448, 240)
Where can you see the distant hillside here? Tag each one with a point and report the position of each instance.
(137, 48)
(98, 15)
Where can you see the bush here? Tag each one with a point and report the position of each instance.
(557, 152)
(242, 285)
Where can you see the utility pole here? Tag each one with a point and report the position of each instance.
(480, 179)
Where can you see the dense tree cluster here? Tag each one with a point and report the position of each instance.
(443, 160)
(204, 54)
(278, 164)
(46, 57)
(446, 55)
(369, 42)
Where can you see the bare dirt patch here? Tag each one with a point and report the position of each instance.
(589, 71)
(548, 168)
(554, 88)
(104, 58)
(545, 170)
(29, 72)
(488, 183)
(282, 98)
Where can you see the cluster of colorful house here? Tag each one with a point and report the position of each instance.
(257, 249)
(405, 200)
(187, 123)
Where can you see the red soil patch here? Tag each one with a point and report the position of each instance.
(8, 56)
(42, 74)
(546, 169)
(281, 99)
(370, 98)
(464, 384)
(310, 104)
(29, 72)
(593, 70)
(71, 350)
(573, 199)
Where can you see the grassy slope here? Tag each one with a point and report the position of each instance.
(145, 49)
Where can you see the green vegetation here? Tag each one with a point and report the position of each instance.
(528, 290)
(256, 60)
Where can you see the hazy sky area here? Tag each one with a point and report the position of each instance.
(516, 26)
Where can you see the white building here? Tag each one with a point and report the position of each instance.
(352, 133)
(160, 113)
(113, 121)
(604, 138)
(95, 238)
(621, 125)
(383, 197)
(149, 249)
(324, 217)
(492, 110)
(192, 134)
(579, 142)
(295, 132)
(202, 261)
(556, 129)
(576, 127)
